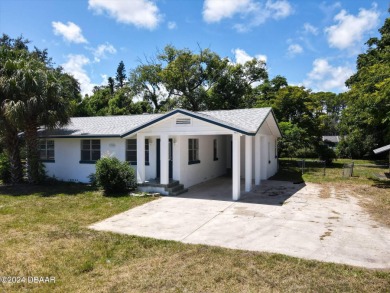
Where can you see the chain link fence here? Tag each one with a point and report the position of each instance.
(344, 169)
(312, 166)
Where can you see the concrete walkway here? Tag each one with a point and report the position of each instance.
(277, 217)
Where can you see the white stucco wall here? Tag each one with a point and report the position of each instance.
(207, 168)
(67, 164)
(269, 162)
(67, 154)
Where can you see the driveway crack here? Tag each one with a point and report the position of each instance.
(208, 221)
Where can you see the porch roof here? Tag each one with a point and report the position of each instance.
(246, 121)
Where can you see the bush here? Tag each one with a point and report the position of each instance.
(326, 154)
(114, 176)
(5, 166)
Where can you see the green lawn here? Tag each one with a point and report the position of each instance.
(43, 233)
(364, 172)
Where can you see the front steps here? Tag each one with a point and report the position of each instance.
(173, 188)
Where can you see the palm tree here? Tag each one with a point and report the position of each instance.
(10, 137)
(9, 131)
(38, 99)
(32, 94)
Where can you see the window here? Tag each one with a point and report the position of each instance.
(131, 151)
(90, 150)
(193, 151)
(146, 151)
(215, 150)
(46, 150)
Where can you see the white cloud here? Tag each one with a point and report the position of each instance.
(294, 49)
(141, 13)
(278, 9)
(325, 77)
(216, 10)
(308, 28)
(75, 66)
(101, 50)
(70, 32)
(350, 29)
(241, 56)
(172, 25)
(255, 12)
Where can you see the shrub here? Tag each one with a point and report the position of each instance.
(5, 166)
(326, 154)
(114, 176)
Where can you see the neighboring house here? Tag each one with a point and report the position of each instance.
(331, 140)
(383, 149)
(190, 147)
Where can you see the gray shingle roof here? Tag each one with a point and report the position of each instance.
(248, 120)
(242, 120)
(331, 138)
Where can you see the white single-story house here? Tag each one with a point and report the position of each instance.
(178, 146)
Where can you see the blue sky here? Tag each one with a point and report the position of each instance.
(311, 43)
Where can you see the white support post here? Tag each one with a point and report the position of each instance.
(140, 157)
(236, 166)
(257, 160)
(264, 157)
(164, 157)
(248, 163)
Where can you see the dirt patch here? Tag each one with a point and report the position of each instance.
(325, 192)
(376, 201)
(326, 234)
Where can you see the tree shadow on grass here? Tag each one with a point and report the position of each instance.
(118, 194)
(46, 189)
(382, 183)
(288, 171)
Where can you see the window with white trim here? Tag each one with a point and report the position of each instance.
(131, 151)
(193, 151)
(46, 149)
(90, 150)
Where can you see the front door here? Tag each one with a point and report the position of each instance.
(170, 157)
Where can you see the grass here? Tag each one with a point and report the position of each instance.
(43, 233)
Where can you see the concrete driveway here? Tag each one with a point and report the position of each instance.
(278, 217)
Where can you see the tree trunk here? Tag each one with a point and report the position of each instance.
(34, 173)
(13, 152)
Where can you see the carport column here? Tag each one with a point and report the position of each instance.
(236, 166)
(257, 160)
(248, 163)
(164, 164)
(140, 157)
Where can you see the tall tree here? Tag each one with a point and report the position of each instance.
(33, 95)
(120, 74)
(196, 81)
(111, 85)
(10, 49)
(146, 81)
(189, 76)
(365, 122)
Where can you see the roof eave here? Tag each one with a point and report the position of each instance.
(191, 114)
